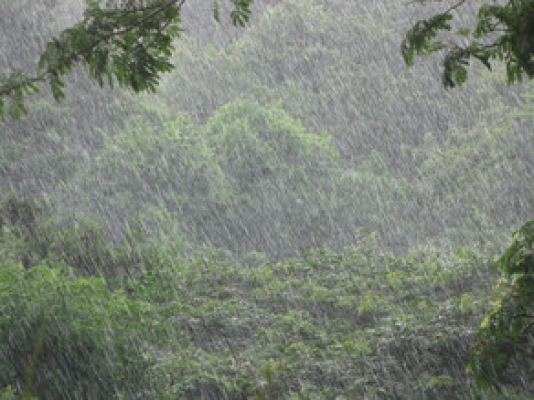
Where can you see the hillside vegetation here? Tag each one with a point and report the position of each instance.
(358, 324)
(293, 215)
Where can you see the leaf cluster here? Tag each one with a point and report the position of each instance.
(503, 32)
(505, 341)
(64, 337)
(239, 16)
(127, 43)
(320, 325)
(131, 45)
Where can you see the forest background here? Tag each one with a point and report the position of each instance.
(205, 210)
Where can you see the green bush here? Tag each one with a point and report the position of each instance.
(63, 337)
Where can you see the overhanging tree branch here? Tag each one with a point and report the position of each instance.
(9, 88)
(502, 33)
(130, 45)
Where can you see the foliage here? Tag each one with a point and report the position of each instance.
(254, 142)
(505, 341)
(213, 79)
(356, 323)
(44, 150)
(31, 234)
(352, 323)
(129, 43)
(377, 108)
(158, 170)
(255, 166)
(208, 182)
(356, 90)
(503, 32)
(65, 337)
(479, 173)
(165, 152)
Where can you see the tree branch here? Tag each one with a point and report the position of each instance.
(8, 90)
(455, 6)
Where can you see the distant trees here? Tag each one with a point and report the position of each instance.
(251, 178)
(372, 110)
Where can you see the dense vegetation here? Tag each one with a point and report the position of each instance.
(360, 323)
(292, 216)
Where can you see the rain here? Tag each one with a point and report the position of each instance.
(293, 214)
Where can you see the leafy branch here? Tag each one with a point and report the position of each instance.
(130, 44)
(506, 335)
(502, 33)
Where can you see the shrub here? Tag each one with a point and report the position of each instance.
(63, 337)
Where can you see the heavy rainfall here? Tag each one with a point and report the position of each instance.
(292, 213)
